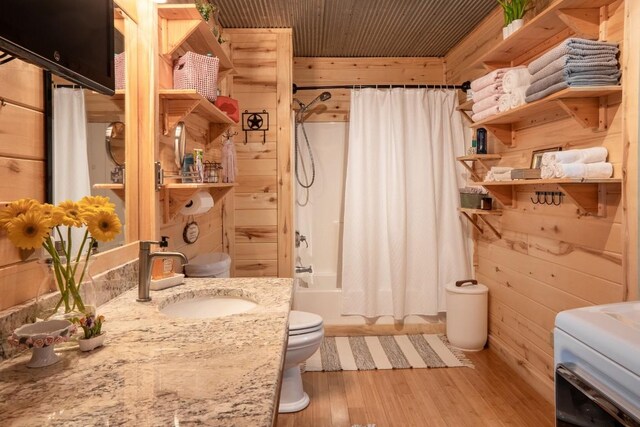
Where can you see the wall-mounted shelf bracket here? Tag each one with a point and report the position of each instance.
(475, 216)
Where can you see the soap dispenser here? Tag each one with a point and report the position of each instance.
(162, 267)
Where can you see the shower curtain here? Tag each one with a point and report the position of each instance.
(70, 162)
(403, 239)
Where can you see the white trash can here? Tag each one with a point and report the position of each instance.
(214, 264)
(467, 314)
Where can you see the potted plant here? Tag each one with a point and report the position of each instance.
(93, 335)
(514, 11)
(508, 17)
(518, 10)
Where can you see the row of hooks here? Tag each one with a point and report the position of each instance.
(547, 198)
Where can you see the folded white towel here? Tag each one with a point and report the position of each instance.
(585, 155)
(488, 79)
(582, 170)
(494, 89)
(517, 97)
(488, 102)
(547, 172)
(485, 113)
(504, 103)
(515, 78)
(501, 169)
(498, 173)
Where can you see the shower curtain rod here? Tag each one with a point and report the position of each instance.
(464, 86)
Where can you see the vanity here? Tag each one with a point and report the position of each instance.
(158, 370)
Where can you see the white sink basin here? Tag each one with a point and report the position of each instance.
(208, 307)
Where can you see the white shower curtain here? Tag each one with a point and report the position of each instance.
(70, 162)
(403, 239)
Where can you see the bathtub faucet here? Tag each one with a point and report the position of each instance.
(300, 269)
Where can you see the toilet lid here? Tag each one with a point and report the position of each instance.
(301, 322)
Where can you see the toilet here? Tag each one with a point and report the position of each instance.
(305, 336)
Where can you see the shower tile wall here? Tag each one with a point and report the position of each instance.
(329, 145)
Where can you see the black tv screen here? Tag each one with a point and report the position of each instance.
(72, 38)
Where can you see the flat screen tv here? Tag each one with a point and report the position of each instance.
(72, 38)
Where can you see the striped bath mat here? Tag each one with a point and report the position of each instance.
(386, 352)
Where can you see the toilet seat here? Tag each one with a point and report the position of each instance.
(301, 322)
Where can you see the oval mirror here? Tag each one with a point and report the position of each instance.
(116, 142)
(180, 144)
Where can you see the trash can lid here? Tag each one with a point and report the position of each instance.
(208, 264)
(471, 287)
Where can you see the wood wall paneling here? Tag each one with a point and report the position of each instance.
(554, 258)
(263, 200)
(357, 71)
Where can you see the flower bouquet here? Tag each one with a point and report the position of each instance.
(30, 225)
(92, 328)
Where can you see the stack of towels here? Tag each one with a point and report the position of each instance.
(584, 163)
(574, 62)
(486, 94)
(514, 83)
(499, 173)
(499, 91)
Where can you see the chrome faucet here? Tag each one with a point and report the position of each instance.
(302, 269)
(144, 269)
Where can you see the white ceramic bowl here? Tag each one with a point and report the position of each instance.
(41, 337)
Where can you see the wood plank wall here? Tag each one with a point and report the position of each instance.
(357, 71)
(22, 169)
(550, 258)
(263, 200)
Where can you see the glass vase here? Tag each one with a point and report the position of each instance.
(76, 294)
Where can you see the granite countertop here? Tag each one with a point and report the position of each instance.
(161, 371)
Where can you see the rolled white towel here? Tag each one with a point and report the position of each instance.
(548, 159)
(485, 113)
(547, 172)
(585, 155)
(518, 96)
(584, 170)
(498, 173)
(515, 78)
(504, 103)
(488, 102)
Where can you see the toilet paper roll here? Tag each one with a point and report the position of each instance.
(200, 203)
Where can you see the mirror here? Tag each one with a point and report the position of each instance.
(180, 144)
(84, 124)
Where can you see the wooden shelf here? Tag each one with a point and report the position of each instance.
(177, 104)
(465, 106)
(473, 215)
(183, 30)
(480, 158)
(561, 19)
(589, 195)
(580, 103)
(116, 188)
(175, 195)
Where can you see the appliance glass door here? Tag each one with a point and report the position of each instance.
(580, 403)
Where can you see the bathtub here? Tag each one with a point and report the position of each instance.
(324, 298)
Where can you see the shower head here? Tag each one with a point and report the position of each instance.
(322, 97)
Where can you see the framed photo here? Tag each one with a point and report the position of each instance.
(536, 156)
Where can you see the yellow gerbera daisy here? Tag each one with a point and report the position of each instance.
(28, 231)
(97, 203)
(104, 225)
(15, 209)
(74, 214)
(52, 213)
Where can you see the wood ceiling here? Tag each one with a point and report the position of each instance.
(357, 28)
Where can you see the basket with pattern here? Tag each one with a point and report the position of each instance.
(119, 65)
(199, 72)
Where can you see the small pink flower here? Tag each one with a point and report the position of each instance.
(29, 341)
(13, 341)
(58, 340)
(49, 340)
(38, 343)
